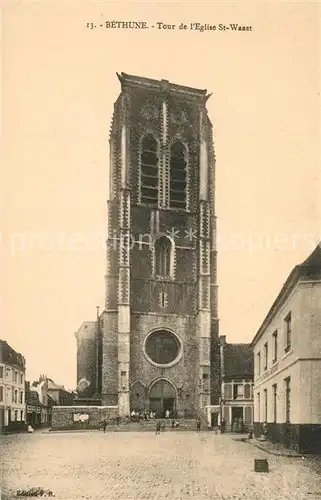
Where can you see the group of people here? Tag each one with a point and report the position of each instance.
(143, 415)
(160, 424)
(150, 414)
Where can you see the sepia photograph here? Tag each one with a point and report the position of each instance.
(161, 250)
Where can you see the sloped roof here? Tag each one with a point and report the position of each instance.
(308, 269)
(50, 399)
(314, 259)
(238, 361)
(53, 386)
(11, 357)
(39, 387)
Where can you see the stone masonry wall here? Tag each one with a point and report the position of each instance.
(86, 354)
(110, 359)
(63, 417)
(184, 374)
(215, 363)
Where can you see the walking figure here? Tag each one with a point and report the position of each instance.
(163, 426)
(158, 427)
(117, 422)
(104, 425)
(198, 424)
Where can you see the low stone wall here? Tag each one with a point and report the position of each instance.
(81, 417)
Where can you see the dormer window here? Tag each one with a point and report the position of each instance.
(149, 171)
(178, 177)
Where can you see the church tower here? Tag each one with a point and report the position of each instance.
(160, 343)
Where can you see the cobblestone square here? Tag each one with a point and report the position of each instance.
(142, 466)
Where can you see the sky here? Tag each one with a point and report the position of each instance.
(59, 86)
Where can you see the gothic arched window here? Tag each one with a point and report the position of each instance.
(163, 249)
(178, 164)
(149, 170)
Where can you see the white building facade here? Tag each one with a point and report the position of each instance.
(12, 388)
(287, 362)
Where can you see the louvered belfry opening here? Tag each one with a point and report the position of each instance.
(149, 170)
(177, 176)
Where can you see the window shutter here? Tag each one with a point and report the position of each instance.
(247, 391)
(228, 391)
(248, 415)
(226, 414)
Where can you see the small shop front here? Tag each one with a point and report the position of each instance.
(34, 415)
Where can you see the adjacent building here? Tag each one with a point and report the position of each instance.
(89, 351)
(58, 394)
(33, 411)
(39, 403)
(237, 377)
(12, 388)
(287, 359)
(156, 345)
(41, 397)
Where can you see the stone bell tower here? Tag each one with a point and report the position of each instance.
(160, 326)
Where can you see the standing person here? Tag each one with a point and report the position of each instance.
(117, 422)
(158, 427)
(163, 426)
(198, 424)
(223, 426)
(104, 425)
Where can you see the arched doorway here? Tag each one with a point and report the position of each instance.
(162, 397)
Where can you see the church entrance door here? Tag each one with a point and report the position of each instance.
(168, 404)
(155, 405)
(162, 397)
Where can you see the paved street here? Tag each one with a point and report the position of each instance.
(142, 466)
